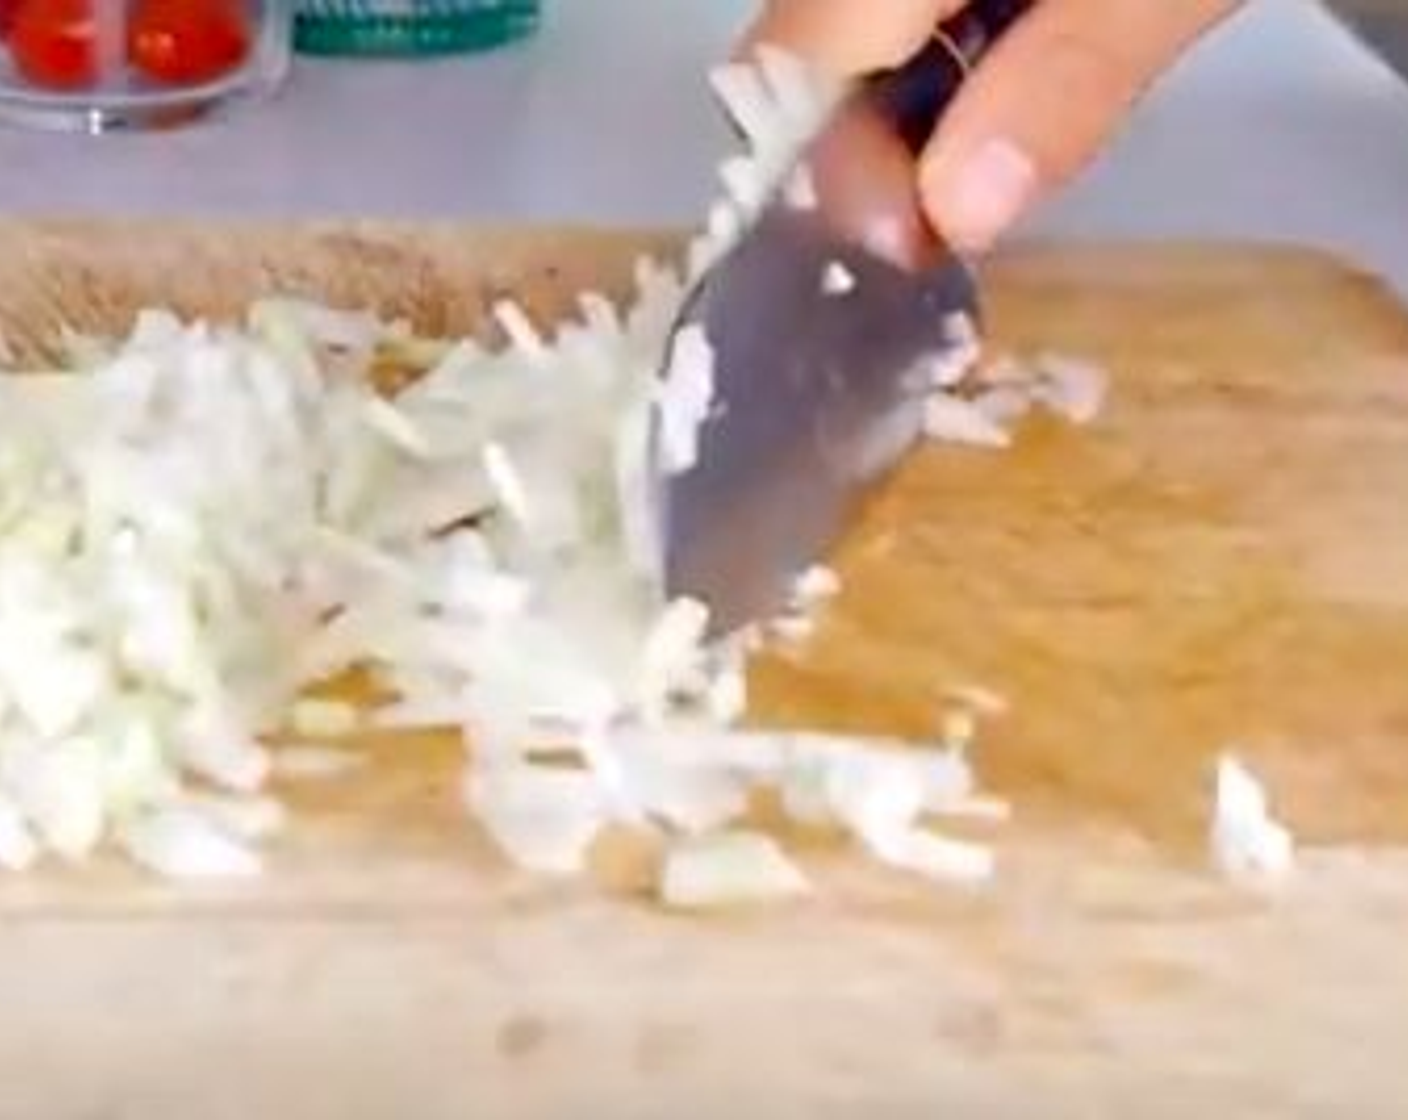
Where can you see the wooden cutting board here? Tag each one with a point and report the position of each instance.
(1222, 558)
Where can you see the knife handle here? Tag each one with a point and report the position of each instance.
(915, 95)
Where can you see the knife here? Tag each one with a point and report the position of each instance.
(819, 394)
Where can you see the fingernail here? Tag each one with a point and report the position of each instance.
(989, 192)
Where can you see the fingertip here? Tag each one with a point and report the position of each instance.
(1053, 90)
(848, 37)
(974, 195)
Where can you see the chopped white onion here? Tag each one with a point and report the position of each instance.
(739, 88)
(237, 766)
(961, 330)
(316, 763)
(243, 817)
(670, 654)
(881, 796)
(805, 789)
(948, 780)
(816, 585)
(686, 398)
(543, 818)
(18, 849)
(778, 105)
(874, 794)
(398, 429)
(59, 791)
(942, 370)
(1070, 387)
(324, 719)
(1247, 842)
(746, 183)
(729, 869)
(185, 844)
(837, 279)
(200, 523)
(935, 857)
(693, 800)
(800, 93)
(727, 698)
(507, 483)
(992, 810)
(522, 335)
(792, 629)
(1004, 404)
(954, 420)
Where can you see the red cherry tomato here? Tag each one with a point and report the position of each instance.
(7, 17)
(184, 42)
(53, 43)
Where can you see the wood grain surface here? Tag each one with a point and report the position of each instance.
(1222, 558)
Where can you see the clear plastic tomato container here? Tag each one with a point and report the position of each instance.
(103, 65)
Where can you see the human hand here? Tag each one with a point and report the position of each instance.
(1035, 111)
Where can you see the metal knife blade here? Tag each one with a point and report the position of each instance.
(818, 394)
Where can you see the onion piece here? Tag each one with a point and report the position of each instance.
(980, 808)
(693, 800)
(875, 794)
(729, 869)
(938, 858)
(671, 653)
(324, 719)
(727, 698)
(800, 92)
(1247, 842)
(805, 790)
(507, 483)
(396, 427)
(944, 369)
(18, 849)
(740, 90)
(185, 844)
(522, 335)
(837, 279)
(1072, 388)
(947, 778)
(685, 399)
(746, 183)
(952, 419)
(317, 763)
(1005, 404)
(961, 330)
(242, 817)
(237, 766)
(880, 797)
(58, 788)
(544, 819)
(815, 585)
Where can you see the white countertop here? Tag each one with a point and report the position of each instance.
(1282, 127)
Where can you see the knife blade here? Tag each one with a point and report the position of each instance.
(818, 393)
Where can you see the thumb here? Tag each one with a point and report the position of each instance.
(1041, 104)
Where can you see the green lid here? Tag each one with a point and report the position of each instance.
(410, 27)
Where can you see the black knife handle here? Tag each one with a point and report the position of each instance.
(915, 95)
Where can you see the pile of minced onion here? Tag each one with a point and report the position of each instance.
(199, 525)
